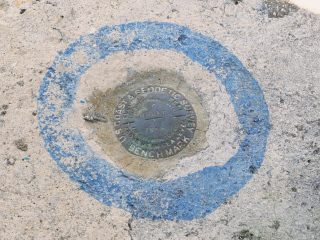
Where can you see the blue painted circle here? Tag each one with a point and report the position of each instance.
(189, 197)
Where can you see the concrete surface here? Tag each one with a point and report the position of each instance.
(46, 194)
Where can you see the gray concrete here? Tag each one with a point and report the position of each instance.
(277, 42)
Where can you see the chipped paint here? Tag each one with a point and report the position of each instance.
(185, 198)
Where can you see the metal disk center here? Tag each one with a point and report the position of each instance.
(154, 122)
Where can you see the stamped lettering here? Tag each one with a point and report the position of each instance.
(154, 122)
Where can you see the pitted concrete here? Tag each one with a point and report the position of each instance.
(38, 200)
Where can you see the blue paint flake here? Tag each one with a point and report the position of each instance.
(186, 198)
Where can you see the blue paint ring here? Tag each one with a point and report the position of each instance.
(185, 198)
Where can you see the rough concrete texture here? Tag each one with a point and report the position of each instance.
(276, 42)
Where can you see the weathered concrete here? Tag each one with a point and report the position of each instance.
(50, 190)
